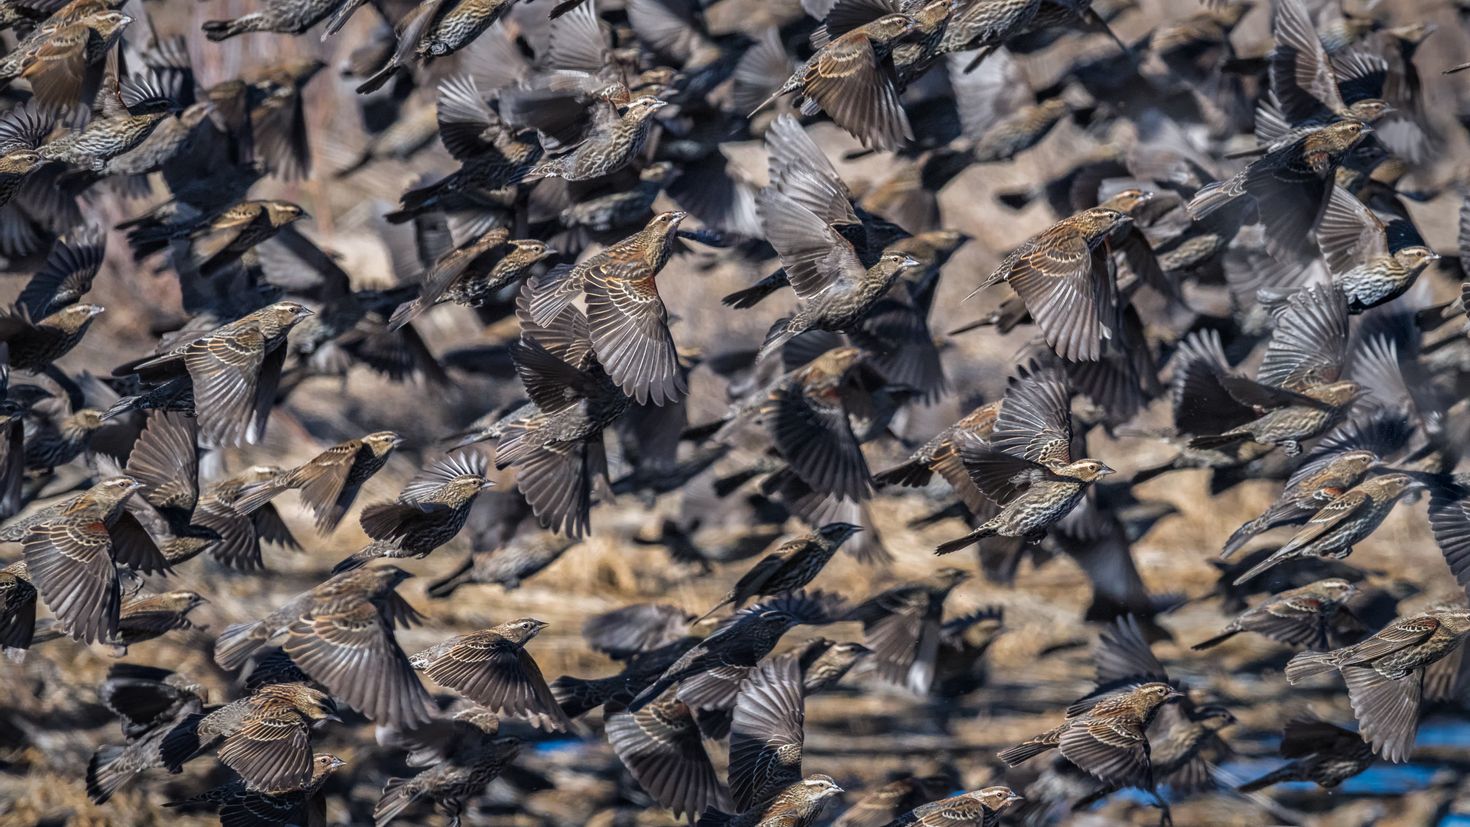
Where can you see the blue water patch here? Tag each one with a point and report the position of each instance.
(560, 745)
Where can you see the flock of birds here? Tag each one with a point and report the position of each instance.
(1241, 250)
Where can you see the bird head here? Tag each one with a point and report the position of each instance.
(389, 577)
(19, 161)
(838, 532)
(1333, 590)
(1416, 257)
(659, 172)
(1356, 463)
(1337, 394)
(644, 107)
(522, 630)
(1128, 201)
(995, 799)
(528, 251)
(665, 223)
(1394, 485)
(115, 489)
(1341, 136)
(889, 27)
(1214, 717)
(820, 787)
(73, 318)
(1369, 110)
(851, 650)
(288, 312)
(324, 764)
(281, 213)
(108, 24)
(1087, 470)
(382, 442)
(951, 577)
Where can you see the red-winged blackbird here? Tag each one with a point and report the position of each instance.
(145, 618)
(150, 703)
(492, 668)
(981, 808)
(429, 512)
(279, 16)
(662, 748)
(435, 29)
(913, 55)
(1298, 617)
(902, 627)
(219, 242)
(1385, 674)
(1065, 275)
(341, 634)
(1319, 752)
(627, 322)
(265, 736)
(297, 805)
(468, 274)
(52, 441)
(1355, 245)
(608, 150)
(766, 733)
(60, 56)
(462, 775)
(790, 567)
(241, 534)
(999, 115)
(1027, 468)
(850, 78)
(1298, 393)
(1340, 462)
(328, 482)
(1289, 185)
(740, 643)
(234, 368)
(68, 272)
(1344, 522)
(1108, 738)
(70, 549)
(798, 805)
(940, 455)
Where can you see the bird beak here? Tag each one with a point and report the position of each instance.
(333, 717)
(338, 762)
(484, 484)
(1105, 471)
(124, 20)
(1014, 797)
(98, 310)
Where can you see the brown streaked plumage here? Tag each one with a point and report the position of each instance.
(265, 736)
(328, 482)
(1299, 617)
(492, 668)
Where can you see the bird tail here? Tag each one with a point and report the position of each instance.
(253, 497)
(104, 776)
(1243, 535)
(379, 78)
(780, 333)
(1212, 197)
(1307, 664)
(1271, 562)
(237, 643)
(912, 474)
(397, 795)
(1213, 442)
(754, 294)
(445, 586)
(1150, 473)
(181, 743)
(217, 30)
(718, 606)
(1286, 773)
(1215, 641)
(360, 559)
(1024, 752)
(405, 313)
(950, 546)
(578, 696)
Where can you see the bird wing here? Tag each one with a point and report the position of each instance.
(1057, 278)
(133, 547)
(1309, 344)
(165, 459)
(1346, 507)
(1112, 749)
(354, 654)
(271, 752)
(1387, 709)
(848, 81)
(799, 168)
(814, 255)
(225, 369)
(1301, 74)
(1349, 233)
(811, 431)
(1449, 519)
(766, 732)
(556, 479)
(58, 65)
(993, 90)
(1122, 654)
(661, 746)
(1035, 420)
(69, 564)
(501, 677)
(630, 332)
(323, 480)
(1000, 476)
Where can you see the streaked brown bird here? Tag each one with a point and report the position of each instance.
(17, 611)
(150, 703)
(449, 784)
(70, 549)
(1318, 752)
(431, 509)
(1355, 245)
(941, 456)
(234, 369)
(264, 736)
(435, 29)
(35, 344)
(1344, 522)
(328, 482)
(1289, 185)
(60, 56)
(793, 565)
(341, 634)
(851, 78)
(889, 801)
(1066, 277)
(492, 668)
(980, 808)
(800, 804)
(627, 322)
(271, 806)
(1303, 616)
(662, 748)
(1106, 738)
(608, 150)
(473, 272)
(242, 533)
(1385, 674)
